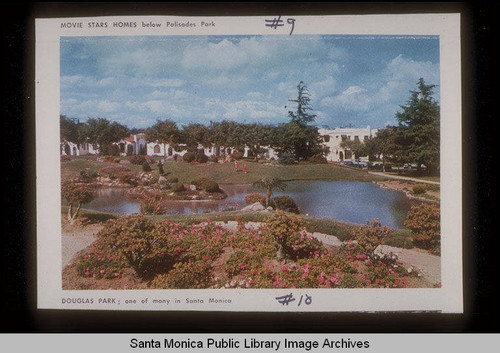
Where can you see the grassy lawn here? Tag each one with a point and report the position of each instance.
(223, 173)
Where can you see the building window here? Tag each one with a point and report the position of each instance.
(326, 138)
(356, 138)
(344, 137)
(365, 138)
(156, 149)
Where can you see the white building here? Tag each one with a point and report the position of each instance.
(69, 148)
(132, 145)
(160, 149)
(332, 139)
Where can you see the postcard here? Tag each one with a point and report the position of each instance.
(263, 163)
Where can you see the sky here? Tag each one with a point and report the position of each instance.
(136, 80)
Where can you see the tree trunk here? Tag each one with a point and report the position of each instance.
(268, 197)
(73, 217)
(70, 208)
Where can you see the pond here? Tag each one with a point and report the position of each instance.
(356, 202)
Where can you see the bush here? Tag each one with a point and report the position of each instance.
(206, 184)
(419, 189)
(318, 159)
(127, 178)
(137, 159)
(424, 222)
(211, 186)
(151, 204)
(284, 203)
(178, 187)
(287, 233)
(100, 263)
(65, 158)
(146, 167)
(144, 244)
(185, 275)
(250, 199)
(188, 157)
(201, 157)
(286, 158)
(370, 236)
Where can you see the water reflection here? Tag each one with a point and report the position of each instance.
(356, 202)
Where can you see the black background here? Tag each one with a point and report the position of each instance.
(480, 61)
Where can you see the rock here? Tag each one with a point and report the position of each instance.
(162, 180)
(257, 206)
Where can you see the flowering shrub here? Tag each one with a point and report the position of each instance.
(101, 262)
(424, 222)
(370, 236)
(241, 261)
(143, 243)
(250, 199)
(185, 275)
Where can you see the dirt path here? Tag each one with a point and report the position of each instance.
(399, 177)
(75, 240)
(428, 265)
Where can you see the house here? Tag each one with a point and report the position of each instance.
(332, 138)
(69, 148)
(132, 145)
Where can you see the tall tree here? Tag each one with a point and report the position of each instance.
(297, 137)
(165, 131)
(102, 133)
(418, 132)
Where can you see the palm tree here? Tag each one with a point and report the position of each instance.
(269, 184)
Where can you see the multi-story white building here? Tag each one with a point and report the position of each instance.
(332, 138)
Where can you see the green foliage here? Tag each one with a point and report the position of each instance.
(178, 187)
(269, 184)
(165, 131)
(144, 244)
(424, 222)
(201, 157)
(318, 158)
(286, 158)
(101, 262)
(370, 236)
(146, 167)
(419, 189)
(285, 203)
(151, 204)
(77, 193)
(206, 184)
(188, 157)
(185, 275)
